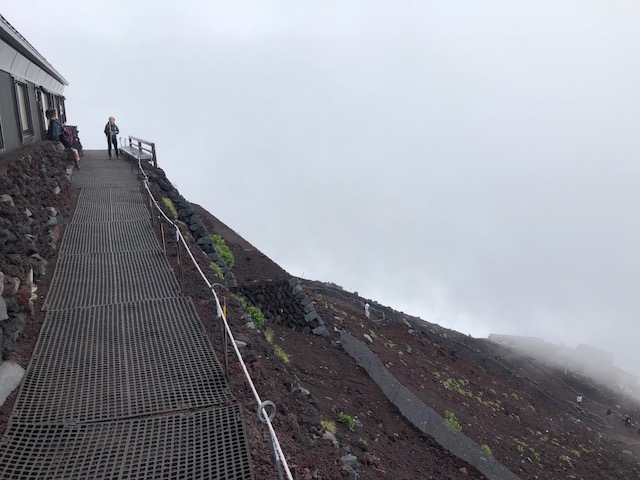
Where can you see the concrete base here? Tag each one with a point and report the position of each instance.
(10, 377)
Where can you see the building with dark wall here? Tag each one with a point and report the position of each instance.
(29, 85)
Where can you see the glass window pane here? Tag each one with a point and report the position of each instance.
(45, 107)
(23, 107)
(24, 113)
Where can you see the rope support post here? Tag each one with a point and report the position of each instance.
(178, 259)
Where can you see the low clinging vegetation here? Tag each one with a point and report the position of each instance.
(328, 425)
(268, 334)
(347, 420)
(281, 354)
(172, 208)
(218, 270)
(223, 250)
(452, 421)
(256, 315)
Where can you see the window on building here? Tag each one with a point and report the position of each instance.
(1, 138)
(1, 135)
(44, 101)
(60, 107)
(55, 103)
(24, 110)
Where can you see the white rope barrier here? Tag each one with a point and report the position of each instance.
(263, 415)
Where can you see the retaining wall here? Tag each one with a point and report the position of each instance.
(422, 416)
(35, 202)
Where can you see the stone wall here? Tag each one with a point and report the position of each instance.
(35, 202)
(283, 302)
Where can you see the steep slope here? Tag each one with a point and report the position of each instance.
(520, 409)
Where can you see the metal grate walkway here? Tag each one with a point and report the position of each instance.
(123, 382)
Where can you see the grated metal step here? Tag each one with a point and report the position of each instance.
(117, 174)
(99, 213)
(103, 363)
(107, 278)
(87, 238)
(203, 445)
(104, 195)
(113, 180)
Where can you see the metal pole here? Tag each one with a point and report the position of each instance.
(224, 341)
(275, 453)
(164, 244)
(179, 261)
(153, 221)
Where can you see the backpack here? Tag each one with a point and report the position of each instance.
(67, 134)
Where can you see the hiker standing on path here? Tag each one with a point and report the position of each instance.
(366, 310)
(111, 130)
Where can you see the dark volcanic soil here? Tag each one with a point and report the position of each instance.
(522, 410)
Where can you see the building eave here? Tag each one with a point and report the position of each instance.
(13, 38)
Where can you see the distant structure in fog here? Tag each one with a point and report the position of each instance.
(584, 359)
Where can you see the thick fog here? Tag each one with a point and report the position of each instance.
(472, 163)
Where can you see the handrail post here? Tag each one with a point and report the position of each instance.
(153, 154)
(151, 209)
(164, 243)
(226, 356)
(179, 260)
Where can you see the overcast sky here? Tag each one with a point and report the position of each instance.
(474, 163)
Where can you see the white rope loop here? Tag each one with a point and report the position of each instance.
(262, 411)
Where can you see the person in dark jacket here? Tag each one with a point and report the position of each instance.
(54, 132)
(111, 130)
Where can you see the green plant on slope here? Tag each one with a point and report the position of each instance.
(269, 335)
(172, 208)
(535, 454)
(254, 312)
(223, 250)
(256, 316)
(328, 425)
(520, 445)
(566, 458)
(457, 386)
(281, 354)
(487, 451)
(452, 421)
(347, 420)
(218, 270)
